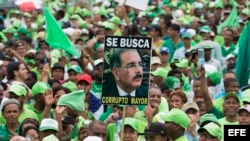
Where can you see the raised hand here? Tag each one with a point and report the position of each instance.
(48, 97)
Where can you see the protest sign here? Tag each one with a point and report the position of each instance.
(126, 70)
(137, 4)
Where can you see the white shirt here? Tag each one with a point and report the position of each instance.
(123, 93)
(215, 63)
(180, 53)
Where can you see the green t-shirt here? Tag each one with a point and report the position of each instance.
(223, 122)
(27, 113)
(229, 51)
(4, 132)
(172, 47)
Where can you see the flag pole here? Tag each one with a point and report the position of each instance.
(123, 118)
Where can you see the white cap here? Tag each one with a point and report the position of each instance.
(245, 107)
(98, 61)
(48, 124)
(191, 31)
(229, 56)
(93, 138)
(155, 60)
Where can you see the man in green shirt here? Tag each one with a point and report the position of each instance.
(11, 111)
(19, 93)
(177, 122)
(175, 41)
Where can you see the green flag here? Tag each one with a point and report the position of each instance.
(243, 57)
(56, 37)
(231, 21)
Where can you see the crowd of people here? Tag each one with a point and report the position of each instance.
(49, 94)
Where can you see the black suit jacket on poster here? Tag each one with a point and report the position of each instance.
(110, 89)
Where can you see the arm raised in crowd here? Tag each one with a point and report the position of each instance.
(204, 89)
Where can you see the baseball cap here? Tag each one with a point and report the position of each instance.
(68, 120)
(182, 64)
(205, 29)
(132, 122)
(190, 105)
(232, 94)
(155, 128)
(229, 56)
(213, 129)
(144, 30)
(18, 90)
(93, 138)
(155, 27)
(215, 77)
(208, 117)
(70, 85)
(39, 88)
(186, 35)
(165, 50)
(246, 95)
(172, 82)
(155, 60)
(75, 68)
(10, 101)
(115, 20)
(85, 77)
(48, 124)
(191, 31)
(245, 107)
(98, 61)
(110, 26)
(58, 66)
(161, 72)
(177, 116)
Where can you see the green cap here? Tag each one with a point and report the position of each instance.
(51, 137)
(85, 12)
(115, 20)
(11, 30)
(172, 82)
(39, 88)
(208, 117)
(26, 14)
(151, 14)
(205, 29)
(18, 90)
(246, 95)
(219, 4)
(74, 17)
(177, 116)
(110, 26)
(161, 72)
(75, 68)
(215, 77)
(74, 100)
(182, 64)
(246, 11)
(70, 85)
(132, 122)
(186, 35)
(102, 11)
(232, 94)
(213, 129)
(23, 31)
